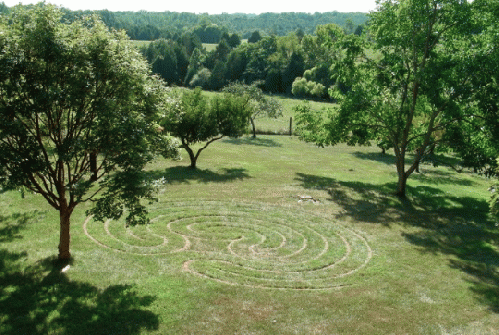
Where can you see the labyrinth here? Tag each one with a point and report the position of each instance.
(249, 244)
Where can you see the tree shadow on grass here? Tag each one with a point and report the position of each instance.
(184, 174)
(40, 299)
(386, 158)
(359, 201)
(257, 141)
(11, 225)
(450, 225)
(473, 239)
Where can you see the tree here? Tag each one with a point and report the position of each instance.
(415, 89)
(234, 40)
(259, 104)
(169, 60)
(193, 119)
(255, 37)
(195, 64)
(68, 91)
(294, 69)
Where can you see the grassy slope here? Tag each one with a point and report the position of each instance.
(433, 268)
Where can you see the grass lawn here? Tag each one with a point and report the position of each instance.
(233, 249)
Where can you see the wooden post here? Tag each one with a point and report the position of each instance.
(291, 126)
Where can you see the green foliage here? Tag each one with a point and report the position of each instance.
(255, 37)
(67, 92)
(201, 78)
(192, 118)
(259, 104)
(169, 60)
(210, 33)
(304, 88)
(420, 94)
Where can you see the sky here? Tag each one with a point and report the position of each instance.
(213, 6)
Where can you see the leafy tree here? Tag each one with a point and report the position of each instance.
(295, 68)
(412, 87)
(191, 42)
(234, 40)
(168, 59)
(193, 118)
(258, 59)
(255, 37)
(67, 91)
(201, 78)
(259, 104)
(209, 33)
(195, 64)
(358, 31)
(217, 78)
(236, 63)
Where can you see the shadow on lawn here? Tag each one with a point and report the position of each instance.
(376, 156)
(456, 226)
(40, 299)
(184, 174)
(12, 224)
(257, 141)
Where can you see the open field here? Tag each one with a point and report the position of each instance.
(280, 126)
(233, 250)
(207, 46)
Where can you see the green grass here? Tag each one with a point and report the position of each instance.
(207, 46)
(280, 126)
(140, 44)
(231, 250)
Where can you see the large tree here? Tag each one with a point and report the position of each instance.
(193, 118)
(77, 112)
(411, 83)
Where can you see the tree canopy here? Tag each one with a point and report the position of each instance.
(260, 104)
(413, 87)
(70, 92)
(193, 118)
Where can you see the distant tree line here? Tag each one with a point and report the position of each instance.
(297, 63)
(286, 52)
(150, 26)
(209, 28)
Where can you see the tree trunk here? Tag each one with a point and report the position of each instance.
(192, 157)
(93, 166)
(253, 126)
(401, 185)
(402, 176)
(64, 237)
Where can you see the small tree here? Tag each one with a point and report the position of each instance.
(260, 104)
(193, 119)
(68, 92)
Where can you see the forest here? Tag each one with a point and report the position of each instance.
(149, 26)
(286, 53)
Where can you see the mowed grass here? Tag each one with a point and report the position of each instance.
(232, 249)
(281, 125)
(142, 44)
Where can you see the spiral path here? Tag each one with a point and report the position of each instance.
(248, 244)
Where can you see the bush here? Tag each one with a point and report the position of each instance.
(299, 87)
(304, 88)
(201, 78)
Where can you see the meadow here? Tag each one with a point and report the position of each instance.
(269, 236)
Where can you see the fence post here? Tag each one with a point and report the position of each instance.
(291, 126)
